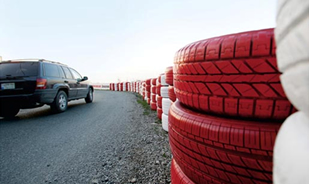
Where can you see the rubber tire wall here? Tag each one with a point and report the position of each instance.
(234, 75)
(211, 148)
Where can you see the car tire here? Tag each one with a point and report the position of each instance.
(233, 75)
(159, 113)
(9, 111)
(164, 91)
(60, 103)
(171, 93)
(221, 149)
(169, 75)
(177, 175)
(89, 97)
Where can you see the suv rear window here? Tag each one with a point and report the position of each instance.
(19, 69)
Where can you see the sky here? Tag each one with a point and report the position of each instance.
(121, 40)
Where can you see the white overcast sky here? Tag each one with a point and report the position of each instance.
(108, 40)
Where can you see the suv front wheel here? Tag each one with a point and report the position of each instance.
(89, 97)
(60, 103)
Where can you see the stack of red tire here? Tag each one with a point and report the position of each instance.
(230, 106)
(153, 93)
(115, 87)
(148, 93)
(166, 102)
(111, 86)
(169, 80)
(143, 90)
(159, 98)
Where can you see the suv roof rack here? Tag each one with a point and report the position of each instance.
(34, 60)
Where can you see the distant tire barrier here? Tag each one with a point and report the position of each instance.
(171, 93)
(177, 175)
(221, 149)
(234, 75)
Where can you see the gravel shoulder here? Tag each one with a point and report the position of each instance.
(144, 154)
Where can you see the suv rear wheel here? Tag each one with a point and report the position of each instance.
(89, 97)
(60, 103)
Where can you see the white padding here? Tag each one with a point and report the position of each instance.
(291, 151)
(163, 82)
(292, 33)
(166, 104)
(165, 122)
(164, 92)
(295, 83)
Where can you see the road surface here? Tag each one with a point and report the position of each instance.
(71, 147)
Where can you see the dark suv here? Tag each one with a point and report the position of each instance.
(33, 83)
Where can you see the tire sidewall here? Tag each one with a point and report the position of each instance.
(61, 94)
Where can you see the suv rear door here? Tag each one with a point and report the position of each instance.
(17, 78)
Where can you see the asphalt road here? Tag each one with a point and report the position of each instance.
(41, 147)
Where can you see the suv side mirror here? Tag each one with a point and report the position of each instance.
(84, 78)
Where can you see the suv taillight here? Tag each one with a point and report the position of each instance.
(41, 83)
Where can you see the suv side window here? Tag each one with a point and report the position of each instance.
(61, 72)
(51, 70)
(76, 74)
(67, 73)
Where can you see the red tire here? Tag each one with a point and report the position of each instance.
(159, 101)
(153, 81)
(159, 89)
(148, 82)
(169, 75)
(177, 175)
(159, 112)
(148, 95)
(234, 75)
(148, 101)
(218, 149)
(153, 106)
(153, 98)
(148, 88)
(171, 93)
(153, 89)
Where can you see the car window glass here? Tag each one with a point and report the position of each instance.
(19, 69)
(67, 73)
(75, 74)
(61, 72)
(51, 70)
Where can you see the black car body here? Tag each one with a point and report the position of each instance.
(33, 83)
